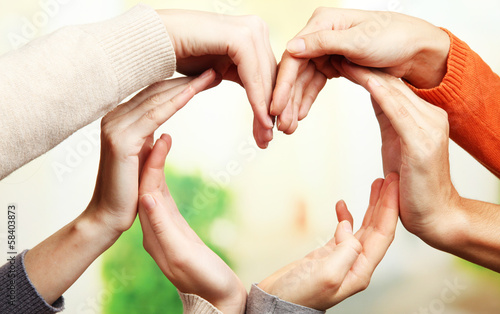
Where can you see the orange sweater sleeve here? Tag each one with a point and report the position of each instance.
(470, 94)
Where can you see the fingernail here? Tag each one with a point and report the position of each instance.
(206, 73)
(347, 226)
(148, 202)
(278, 124)
(270, 123)
(296, 45)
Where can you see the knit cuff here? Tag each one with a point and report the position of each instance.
(22, 293)
(194, 304)
(260, 301)
(138, 47)
(450, 87)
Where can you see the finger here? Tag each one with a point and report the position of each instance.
(320, 43)
(396, 106)
(168, 105)
(268, 68)
(289, 69)
(343, 213)
(156, 88)
(384, 227)
(324, 65)
(262, 135)
(286, 117)
(382, 119)
(153, 175)
(254, 79)
(155, 100)
(376, 189)
(311, 93)
(145, 151)
(150, 242)
(343, 253)
(373, 212)
(301, 84)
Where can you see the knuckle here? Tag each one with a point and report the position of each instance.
(154, 100)
(395, 92)
(152, 114)
(321, 40)
(332, 283)
(255, 21)
(110, 139)
(320, 11)
(364, 283)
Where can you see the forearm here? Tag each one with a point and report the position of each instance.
(56, 263)
(57, 84)
(473, 234)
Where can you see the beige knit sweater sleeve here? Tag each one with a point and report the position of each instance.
(194, 304)
(59, 83)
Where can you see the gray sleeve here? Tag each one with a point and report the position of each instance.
(18, 295)
(261, 302)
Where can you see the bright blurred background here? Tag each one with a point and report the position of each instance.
(281, 204)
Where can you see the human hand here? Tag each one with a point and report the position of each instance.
(181, 255)
(126, 140)
(415, 137)
(344, 266)
(398, 44)
(237, 47)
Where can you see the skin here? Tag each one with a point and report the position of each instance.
(415, 138)
(366, 38)
(345, 265)
(236, 47)
(126, 139)
(181, 255)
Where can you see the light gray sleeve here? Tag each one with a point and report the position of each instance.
(261, 302)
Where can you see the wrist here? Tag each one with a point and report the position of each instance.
(234, 303)
(170, 20)
(93, 220)
(451, 229)
(429, 65)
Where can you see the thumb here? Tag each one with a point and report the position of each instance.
(326, 42)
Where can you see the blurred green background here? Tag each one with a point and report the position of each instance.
(151, 292)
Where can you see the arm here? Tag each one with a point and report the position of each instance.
(415, 138)
(181, 255)
(127, 133)
(341, 268)
(400, 45)
(470, 94)
(439, 67)
(78, 74)
(57, 84)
